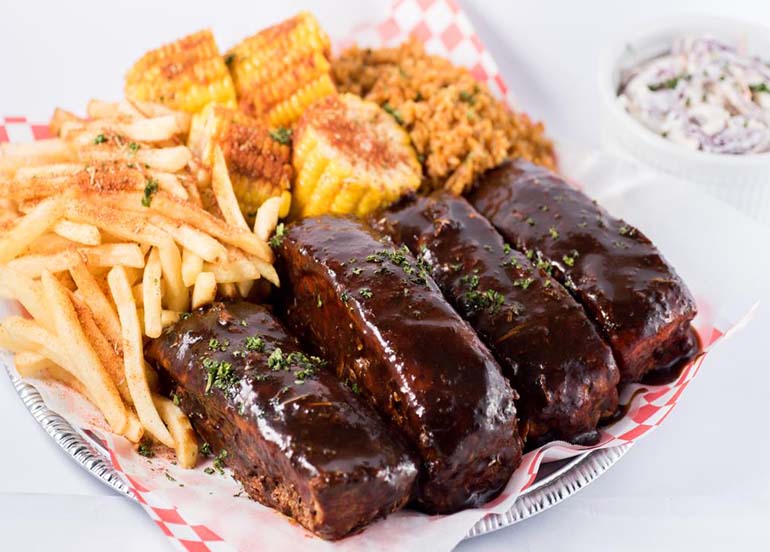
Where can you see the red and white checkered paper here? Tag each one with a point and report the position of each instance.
(200, 512)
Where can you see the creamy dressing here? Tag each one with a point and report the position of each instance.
(703, 94)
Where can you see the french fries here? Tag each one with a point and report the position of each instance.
(133, 356)
(82, 361)
(181, 431)
(110, 232)
(205, 289)
(151, 295)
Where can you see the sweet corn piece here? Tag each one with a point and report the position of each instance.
(186, 75)
(257, 161)
(350, 156)
(281, 70)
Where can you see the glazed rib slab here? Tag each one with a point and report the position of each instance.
(380, 319)
(295, 436)
(564, 373)
(633, 295)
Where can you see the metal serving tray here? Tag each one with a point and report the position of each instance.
(556, 480)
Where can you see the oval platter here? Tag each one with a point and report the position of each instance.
(556, 480)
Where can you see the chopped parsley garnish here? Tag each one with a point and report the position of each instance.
(393, 112)
(468, 97)
(554, 233)
(418, 270)
(761, 87)
(213, 344)
(209, 471)
(668, 84)
(282, 135)
(307, 364)
(354, 387)
(150, 189)
(357, 270)
(568, 260)
(134, 147)
(345, 297)
(255, 343)
(205, 449)
(277, 239)
(175, 399)
(219, 461)
(523, 283)
(275, 360)
(530, 221)
(624, 230)
(145, 450)
(487, 247)
(100, 139)
(490, 300)
(543, 264)
(366, 293)
(506, 248)
(457, 267)
(169, 477)
(319, 302)
(471, 281)
(220, 375)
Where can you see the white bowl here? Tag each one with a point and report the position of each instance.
(742, 180)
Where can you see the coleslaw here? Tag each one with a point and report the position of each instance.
(704, 94)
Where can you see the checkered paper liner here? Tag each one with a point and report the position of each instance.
(200, 512)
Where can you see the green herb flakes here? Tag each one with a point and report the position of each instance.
(282, 135)
(150, 189)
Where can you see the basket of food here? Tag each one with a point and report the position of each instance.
(356, 283)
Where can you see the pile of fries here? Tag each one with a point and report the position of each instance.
(104, 240)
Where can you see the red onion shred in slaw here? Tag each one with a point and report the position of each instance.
(703, 94)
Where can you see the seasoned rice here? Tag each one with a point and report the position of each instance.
(458, 128)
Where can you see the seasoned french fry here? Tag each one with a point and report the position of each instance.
(151, 295)
(29, 227)
(191, 238)
(86, 234)
(126, 226)
(223, 192)
(234, 271)
(185, 444)
(14, 156)
(29, 363)
(19, 334)
(244, 287)
(90, 292)
(150, 109)
(177, 297)
(109, 358)
(228, 290)
(200, 219)
(165, 159)
(82, 359)
(133, 358)
(60, 116)
(168, 317)
(192, 265)
(170, 183)
(29, 293)
(110, 254)
(205, 289)
(267, 217)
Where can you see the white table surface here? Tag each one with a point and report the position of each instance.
(687, 487)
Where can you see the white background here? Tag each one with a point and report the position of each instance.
(700, 482)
